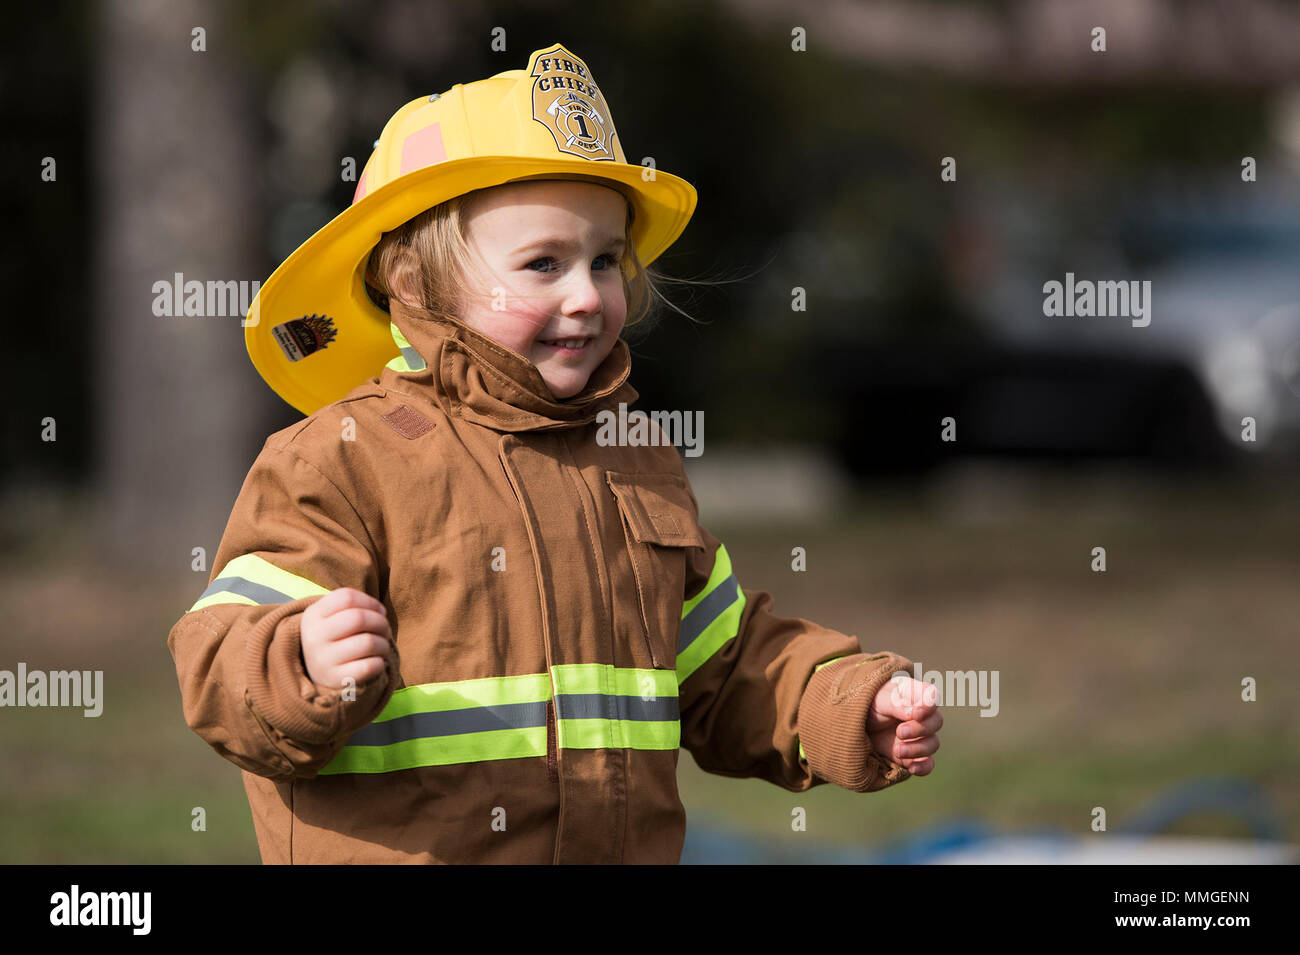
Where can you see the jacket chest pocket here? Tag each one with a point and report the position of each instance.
(658, 525)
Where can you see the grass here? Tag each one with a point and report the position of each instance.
(1011, 792)
(1113, 687)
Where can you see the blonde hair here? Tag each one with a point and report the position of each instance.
(436, 240)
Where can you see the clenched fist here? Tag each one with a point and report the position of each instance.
(903, 722)
(345, 634)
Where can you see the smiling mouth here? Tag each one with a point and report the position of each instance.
(573, 345)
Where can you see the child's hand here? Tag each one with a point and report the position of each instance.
(903, 721)
(345, 634)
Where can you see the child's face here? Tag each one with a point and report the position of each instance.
(548, 272)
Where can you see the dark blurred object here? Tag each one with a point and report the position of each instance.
(1210, 377)
(889, 400)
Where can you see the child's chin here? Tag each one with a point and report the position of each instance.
(566, 387)
(566, 394)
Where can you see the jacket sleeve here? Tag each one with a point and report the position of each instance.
(778, 698)
(292, 537)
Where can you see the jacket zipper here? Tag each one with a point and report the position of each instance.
(551, 747)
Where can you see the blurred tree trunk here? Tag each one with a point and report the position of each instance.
(176, 183)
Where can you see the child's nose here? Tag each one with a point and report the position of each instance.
(581, 293)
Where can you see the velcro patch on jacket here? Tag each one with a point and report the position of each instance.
(408, 423)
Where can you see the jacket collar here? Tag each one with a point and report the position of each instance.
(470, 376)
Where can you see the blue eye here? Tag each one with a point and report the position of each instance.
(612, 262)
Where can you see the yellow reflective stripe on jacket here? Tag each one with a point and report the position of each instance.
(437, 724)
(710, 618)
(249, 579)
(599, 706)
(409, 359)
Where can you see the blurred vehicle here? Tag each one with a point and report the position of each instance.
(1222, 344)
(1013, 401)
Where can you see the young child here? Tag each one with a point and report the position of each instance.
(446, 623)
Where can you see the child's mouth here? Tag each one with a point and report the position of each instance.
(568, 346)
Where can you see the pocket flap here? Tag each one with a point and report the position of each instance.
(657, 507)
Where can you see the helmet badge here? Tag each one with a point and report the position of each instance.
(568, 103)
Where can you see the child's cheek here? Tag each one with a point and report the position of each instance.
(526, 323)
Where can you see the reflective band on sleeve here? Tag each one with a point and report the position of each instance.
(605, 707)
(710, 618)
(249, 579)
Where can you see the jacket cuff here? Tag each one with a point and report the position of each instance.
(833, 722)
(282, 693)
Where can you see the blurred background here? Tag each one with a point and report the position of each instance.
(146, 138)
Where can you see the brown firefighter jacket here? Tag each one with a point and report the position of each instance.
(562, 625)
